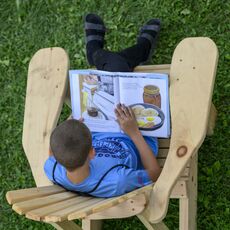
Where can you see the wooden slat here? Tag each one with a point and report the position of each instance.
(25, 206)
(40, 213)
(31, 193)
(179, 191)
(82, 213)
(163, 153)
(149, 226)
(163, 143)
(126, 209)
(62, 214)
(108, 203)
(153, 68)
(56, 208)
(120, 199)
(66, 225)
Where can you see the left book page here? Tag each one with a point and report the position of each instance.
(94, 95)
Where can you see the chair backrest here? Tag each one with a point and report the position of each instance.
(192, 77)
(46, 90)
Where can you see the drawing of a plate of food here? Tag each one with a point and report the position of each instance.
(149, 117)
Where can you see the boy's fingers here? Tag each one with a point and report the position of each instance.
(117, 114)
(131, 112)
(125, 110)
(120, 111)
(81, 119)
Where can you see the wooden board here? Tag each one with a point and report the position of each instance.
(192, 78)
(61, 205)
(46, 89)
(25, 206)
(165, 68)
(31, 193)
(40, 213)
(126, 209)
(149, 226)
(123, 210)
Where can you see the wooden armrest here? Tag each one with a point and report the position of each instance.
(192, 77)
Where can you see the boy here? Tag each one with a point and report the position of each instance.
(106, 164)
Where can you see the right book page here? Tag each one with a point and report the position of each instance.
(148, 97)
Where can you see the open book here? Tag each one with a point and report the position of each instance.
(95, 94)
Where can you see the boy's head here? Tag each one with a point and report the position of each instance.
(70, 143)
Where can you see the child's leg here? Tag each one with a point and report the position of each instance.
(127, 59)
(102, 59)
(110, 61)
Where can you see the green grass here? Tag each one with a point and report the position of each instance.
(27, 26)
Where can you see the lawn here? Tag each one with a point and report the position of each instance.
(27, 26)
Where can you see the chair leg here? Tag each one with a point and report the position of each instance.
(149, 226)
(188, 206)
(66, 225)
(88, 224)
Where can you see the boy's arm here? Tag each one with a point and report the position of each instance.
(148, 159)
(128, 124)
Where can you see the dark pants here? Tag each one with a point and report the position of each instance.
(123, 61)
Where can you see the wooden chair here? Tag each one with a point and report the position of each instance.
(192, 74)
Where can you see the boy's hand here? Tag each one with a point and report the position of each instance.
(81, 119)
(126, 119)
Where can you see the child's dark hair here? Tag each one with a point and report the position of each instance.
(70, 143)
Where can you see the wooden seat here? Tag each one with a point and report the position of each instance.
(54, 204)
(192, 75)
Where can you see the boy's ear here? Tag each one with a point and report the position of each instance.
(91, 153)
(50, 152)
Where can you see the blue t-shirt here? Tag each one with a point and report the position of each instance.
(111, 149)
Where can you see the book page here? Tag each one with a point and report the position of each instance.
(148, 97)
(94, 95)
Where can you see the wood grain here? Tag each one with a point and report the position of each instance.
(31, 193)
(192, 76)
(46, 90)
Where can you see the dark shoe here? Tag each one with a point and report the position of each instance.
(150, 33)
(94, 35)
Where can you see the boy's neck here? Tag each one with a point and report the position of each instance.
(79, 174)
